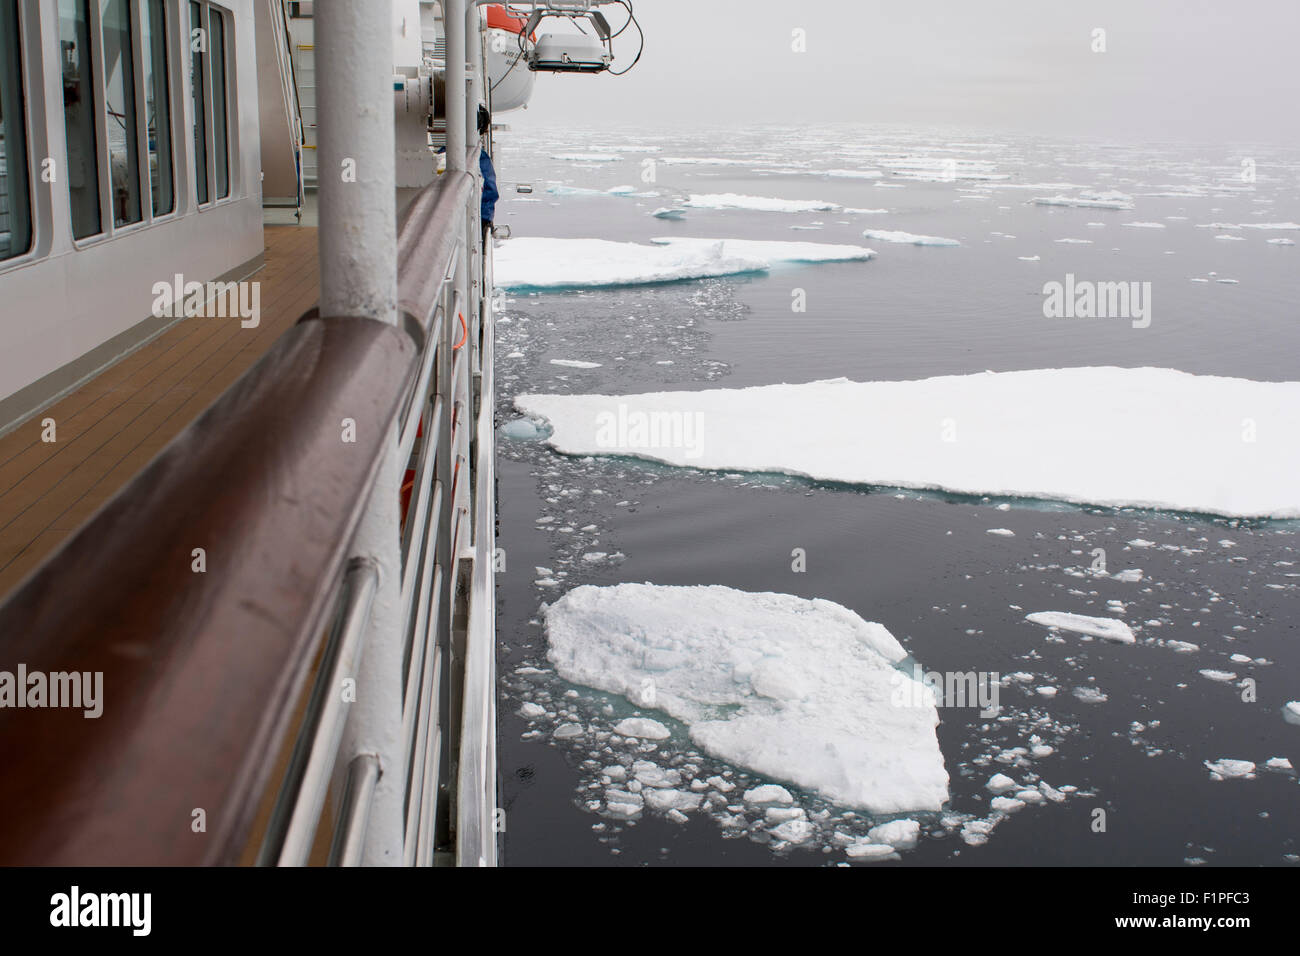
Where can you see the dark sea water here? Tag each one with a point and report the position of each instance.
(921, 564)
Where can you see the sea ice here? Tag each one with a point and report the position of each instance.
(642, 727)
(1009, 434)
(796, 690)
(757, 203)
(1107, 628)
(1227, 769)
(1091, 200)
(773, 251)
(535, 263)
(769, 793)
(901, 834)
(886, 235)
(539, 263)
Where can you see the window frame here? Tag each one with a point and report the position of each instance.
(35, 217)
(109, 229)
(233, 166)
(142, 92)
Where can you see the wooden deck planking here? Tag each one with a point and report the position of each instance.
(113, 425)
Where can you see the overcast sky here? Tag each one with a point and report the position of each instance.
(1200, 70)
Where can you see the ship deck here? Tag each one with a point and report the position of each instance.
(112, 425)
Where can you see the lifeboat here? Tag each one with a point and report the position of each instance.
(507, 59)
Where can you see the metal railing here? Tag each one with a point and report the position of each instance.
(204, 672)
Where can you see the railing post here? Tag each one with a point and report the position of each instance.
(453, 18)
(358, 256)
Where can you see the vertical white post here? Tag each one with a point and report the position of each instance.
(453, 18)
(358, 267)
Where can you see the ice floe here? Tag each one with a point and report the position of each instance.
(1146, 437)
(542, 263)
(1226, 768)
(773, 251)
(801, 691)
(535, 263)
(887, 235)
(757, 203)
(1112, 199)
(1107, 628)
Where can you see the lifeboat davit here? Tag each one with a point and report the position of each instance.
(507, 68)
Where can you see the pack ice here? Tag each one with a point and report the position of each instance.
(1140, 437)
(539, 263)
(802, 691)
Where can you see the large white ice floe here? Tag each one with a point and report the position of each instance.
(542, 263)
(539, 263)
(802, 691)
(911, 238)
(1112, 199)
(757, 203)
(1141, 437)
(1091, 199)
(774, 251)
(1107, 628)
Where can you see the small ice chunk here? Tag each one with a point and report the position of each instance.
(1212, 674)
(1001, 783)
(781, 814)
(670, 799)
(567, 731)
(1107, 628)
(769, 793)
(902, 834)
(531, 710)
(794, 831)
(642, 727)
(1006, 804)
(1225, 768)
(1090, 695)
(869, 851)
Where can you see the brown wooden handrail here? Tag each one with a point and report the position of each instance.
(200, 669)
(424, 236)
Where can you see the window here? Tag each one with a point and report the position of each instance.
(15, 187)
(157, 108)
(79, 116)
(118, 23)
(198, 83)
(221, 144)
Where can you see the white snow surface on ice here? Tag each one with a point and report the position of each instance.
(890, 235)
(773, 251)
(799, 691)
(1108, 628)
(1112, 199)
(757, 203)
(543, 263)
(1146, 437)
